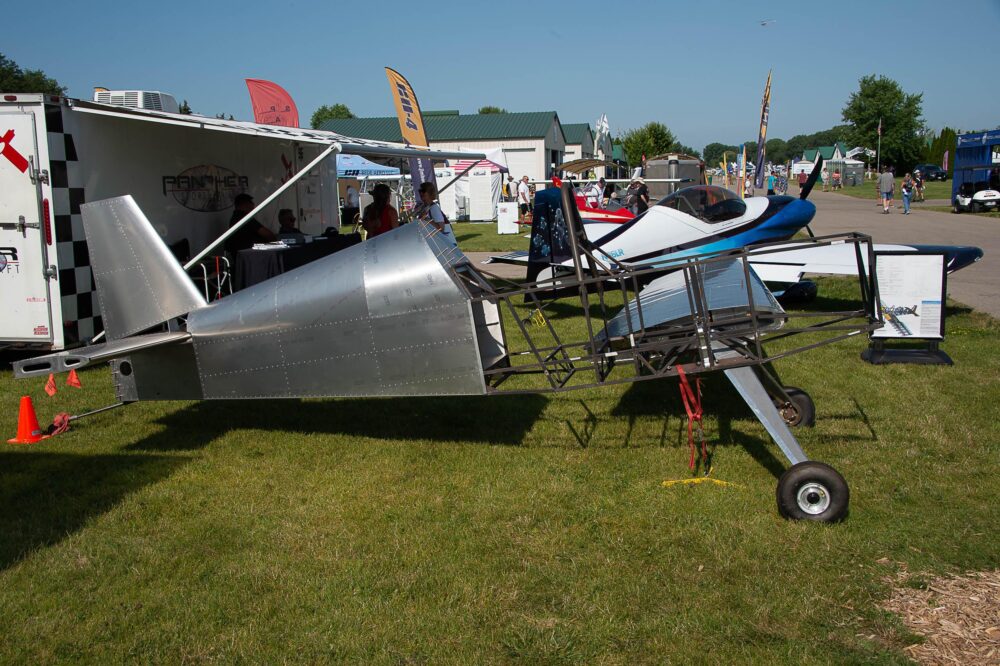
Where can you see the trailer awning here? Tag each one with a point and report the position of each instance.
(319, 137)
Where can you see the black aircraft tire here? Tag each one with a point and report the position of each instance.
(813, 491)
(802, 411)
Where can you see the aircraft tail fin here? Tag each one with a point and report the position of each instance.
(139, 282)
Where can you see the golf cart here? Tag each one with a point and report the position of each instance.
(975, 196)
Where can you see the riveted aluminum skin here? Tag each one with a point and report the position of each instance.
(139, 283)
(383, 318)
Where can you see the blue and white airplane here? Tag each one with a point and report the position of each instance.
(705, 219)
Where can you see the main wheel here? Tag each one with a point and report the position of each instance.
(813, 491)
(800, 411)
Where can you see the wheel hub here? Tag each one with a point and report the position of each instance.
(813, 498)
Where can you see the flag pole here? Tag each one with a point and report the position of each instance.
(878, 151)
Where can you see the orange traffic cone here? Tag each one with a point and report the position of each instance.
(50, 385)
(73, 380)
(28, 431)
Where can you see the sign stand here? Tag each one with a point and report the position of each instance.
(910, 299)
(878, 354)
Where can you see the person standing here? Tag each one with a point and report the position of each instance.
(825, 175)
(802, 180)
(352, 207)
(510, 189)
(609, 193)
(379, 216)
(918, 185)
(523, 198)
(770, 183)
(429, 210)
(906, 189)
(886, 186)
(641, 196)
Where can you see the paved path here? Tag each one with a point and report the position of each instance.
(977, 286)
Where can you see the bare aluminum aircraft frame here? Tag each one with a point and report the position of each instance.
(638, 343)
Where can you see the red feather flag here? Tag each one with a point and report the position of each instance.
(272, 105)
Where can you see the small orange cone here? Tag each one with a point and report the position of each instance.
(50, 385)
(28, 431)
(73, 380)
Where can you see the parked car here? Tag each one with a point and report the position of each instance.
(931, 172)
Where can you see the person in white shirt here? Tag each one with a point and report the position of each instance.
(430, 211)
(523, 198)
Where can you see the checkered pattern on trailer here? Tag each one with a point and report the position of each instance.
(80, 310)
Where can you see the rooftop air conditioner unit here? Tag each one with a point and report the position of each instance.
(138, 99)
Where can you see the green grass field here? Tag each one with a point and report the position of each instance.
(936, 189)
(483, 237)
(994, 214)
(525, 528)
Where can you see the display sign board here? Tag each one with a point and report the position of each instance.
(507, 218)
(911, 295)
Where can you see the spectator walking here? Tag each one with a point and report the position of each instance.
(523, 198)
(886, 186)
(906, 189)
(802, 179)
(918, 185)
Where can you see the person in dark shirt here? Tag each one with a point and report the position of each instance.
(286, 223)
(641, 196)
(251, 232)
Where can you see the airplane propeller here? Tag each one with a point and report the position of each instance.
(807, 188)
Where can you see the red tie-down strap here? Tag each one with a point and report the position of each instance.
(692, 405)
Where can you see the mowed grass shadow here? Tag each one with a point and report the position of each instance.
(719, 399)
(49, 496)
(503, 420)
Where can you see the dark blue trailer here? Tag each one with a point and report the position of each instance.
(977, 162)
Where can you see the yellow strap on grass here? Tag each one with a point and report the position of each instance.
(699, 479)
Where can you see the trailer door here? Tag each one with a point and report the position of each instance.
(25, 314)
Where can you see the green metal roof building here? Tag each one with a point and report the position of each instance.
(532, 141)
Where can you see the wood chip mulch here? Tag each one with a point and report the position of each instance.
(958, 616)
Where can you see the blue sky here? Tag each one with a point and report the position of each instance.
(698, 67)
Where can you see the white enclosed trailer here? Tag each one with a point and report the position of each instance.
(182, 170)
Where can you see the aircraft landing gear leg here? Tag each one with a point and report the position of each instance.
(808, 490)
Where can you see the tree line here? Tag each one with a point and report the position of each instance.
(879, 107)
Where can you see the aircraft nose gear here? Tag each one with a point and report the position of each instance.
(813, 491)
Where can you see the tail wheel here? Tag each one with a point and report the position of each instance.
(813, 491)
(799, 410)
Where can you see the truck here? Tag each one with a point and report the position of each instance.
(57, 153)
